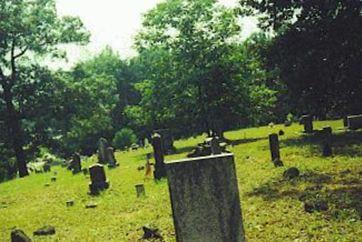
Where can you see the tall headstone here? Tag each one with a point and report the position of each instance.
(307, 121)
(112, 162)
(274, 149)
(98, 178)
(160, 170)
(205, 199)
(167, 140)
(102, 151)
(327, 141)
(76, 164)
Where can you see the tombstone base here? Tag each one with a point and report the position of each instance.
(278, 163)
(95, 188)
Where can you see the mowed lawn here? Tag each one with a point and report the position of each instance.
(272, 207)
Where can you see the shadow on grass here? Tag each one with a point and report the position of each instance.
(246, 140)
(346, 144)
(346, 198)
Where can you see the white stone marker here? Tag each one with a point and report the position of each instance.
(205, 199)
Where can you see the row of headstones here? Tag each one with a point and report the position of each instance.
(351, 122)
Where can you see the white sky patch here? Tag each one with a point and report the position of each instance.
(115, 23)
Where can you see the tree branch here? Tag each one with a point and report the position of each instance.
(21, 53)
(12, 60)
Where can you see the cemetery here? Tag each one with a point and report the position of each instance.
(238, 195)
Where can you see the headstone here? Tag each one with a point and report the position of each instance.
(102, 151)
(327, 141)
(274, 149)
(354, 122)
(98, 179)
(18, 235)
(75, 164)
(160, 170)
(307, 121)
(47, 167)
(205, 199)
(46, 230)
(112, 162)
(140, 190)
(167, 140)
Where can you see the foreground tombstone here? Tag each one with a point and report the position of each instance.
(307, 121)
(354, 122)
(98, 179)
(102, 151)
(205, 199)
(274, 149)
(167, 140)
(160, 170)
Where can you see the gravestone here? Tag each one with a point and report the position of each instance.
(354, 122)
(167, 140)
(274, 149)
(102, 151)
(112, 162)
(307, 121)
(327, 141)
(140, 190)
(18, 235)
(98, 179)
(75, 164)
(205, 199)
(160, 170)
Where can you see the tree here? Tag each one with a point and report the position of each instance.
(27, 29)
(195, 39)
(317, 50)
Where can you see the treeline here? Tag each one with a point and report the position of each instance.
(193, 73)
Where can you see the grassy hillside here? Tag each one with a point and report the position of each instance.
(272, 207)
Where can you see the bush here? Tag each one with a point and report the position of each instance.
(124, 137)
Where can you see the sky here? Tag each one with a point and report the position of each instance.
(115, 23)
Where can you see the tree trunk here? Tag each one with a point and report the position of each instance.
(16, 134)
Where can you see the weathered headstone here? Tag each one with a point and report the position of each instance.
(274, 149)
(102, 151)
(140, 190)
(354, 122)
(307, 121)
(205, 199)
(112, 162)
(160, 170)
(327, 141)
(98, 179)
(167, 140)
(75, 164)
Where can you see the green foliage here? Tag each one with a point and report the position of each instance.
(124, 138)
(316, 51)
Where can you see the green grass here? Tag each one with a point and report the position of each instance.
(272, 210)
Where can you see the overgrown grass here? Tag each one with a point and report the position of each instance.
(272, 207)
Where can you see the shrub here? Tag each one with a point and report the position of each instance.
(124, 137)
